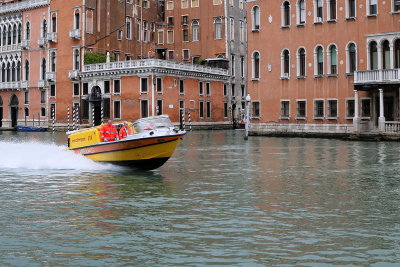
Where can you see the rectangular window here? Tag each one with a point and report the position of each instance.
(232, 29)
(42, 97)
(89, 21)
(170, 21)
(119, 37)
(170, 36)
(159, 107)
(201, 109)
(106, 87)
(285, 109)
(233, 91)
(195, 3)
(396, 6)
(373, 7)
(159, 85)
(185, 20)
(26, 93)
(351, 13)
(117, 86)
(332, 108)
(185, 54)
(225, 109)
(85, 89)
(160, 37)
(233, 65)
(242, 31)
(366, 107)
(208, 109)
(144, 85)
(217, 2)
(255, 109)
(106, 108)
(225, 90)
(43, 112)
(85, 109)
(201, 90)
(170, 5)
(76, 89)
(318, 109)
(208, 89)
(242, 66)
(53, 90)
(350, 108)
(181, 87)
(117, 109)
(332, 10)
(128, 30)
(185, 3)
(301, 109)
(170, 54)
(185, 33)
(319, 10)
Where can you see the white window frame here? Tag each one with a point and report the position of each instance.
(318, 19)
(255, 19)
(285, 75)
(348, 9)
(298, 117)
(283, 15)
(316, 116)
(120, 87)
(120, 109)
(368, 8)
(348, 57)
(141, 85)
(329, 108)
(301, 13)
(282, 115)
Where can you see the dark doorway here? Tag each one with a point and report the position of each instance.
(388, 108)
(1, 116)
(96, 98)
(97, 112)
(14, 110)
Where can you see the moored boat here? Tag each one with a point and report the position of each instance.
(30, 129)
(151, 144)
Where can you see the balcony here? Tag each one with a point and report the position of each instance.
(75, 34)
(10, 85)
(52, 37)
(387, 76)
(42, 41)
(22, 6)
(24, 84)
(73, 74)
(25, 44)
(50, 76)
(42, 84)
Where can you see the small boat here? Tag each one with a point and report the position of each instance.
(151, 144)
(30, 129)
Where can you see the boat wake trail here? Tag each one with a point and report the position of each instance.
(36, 156)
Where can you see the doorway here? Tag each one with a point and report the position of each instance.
(1, 116)
(14, 110)
(97, 112)
(388, 108)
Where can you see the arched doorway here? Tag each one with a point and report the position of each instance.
(1, 112)
(95, 105)
(14, 110)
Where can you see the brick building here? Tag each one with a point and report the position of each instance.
(324, 65)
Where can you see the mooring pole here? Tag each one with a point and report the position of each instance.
(102, 115)
(54, 116)
(246, 137)
(93, 115)
(190, 121)
(68, 118)
(33, 121)
(38, 116)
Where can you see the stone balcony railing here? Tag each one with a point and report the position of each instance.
(73, 74)
(25, 44)
(154, 63)
(24, 5)
(52, 37)
(10, 48)
(377, 76)
(10, 85)
(75, 34)
(51, 76)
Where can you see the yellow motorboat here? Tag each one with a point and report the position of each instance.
(152, 142)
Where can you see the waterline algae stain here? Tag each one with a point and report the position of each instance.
(218, 201)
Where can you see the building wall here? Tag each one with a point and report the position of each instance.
(273, 37)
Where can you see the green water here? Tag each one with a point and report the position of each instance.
(218, 201)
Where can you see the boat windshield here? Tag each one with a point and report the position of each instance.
(152, 123)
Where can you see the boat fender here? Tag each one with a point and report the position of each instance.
(151, 133)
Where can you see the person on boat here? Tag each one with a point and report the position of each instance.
(124, 131)
(108, 132)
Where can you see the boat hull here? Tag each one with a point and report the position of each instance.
(30, 129)
(145, 153)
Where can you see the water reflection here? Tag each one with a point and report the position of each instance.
(218, 201)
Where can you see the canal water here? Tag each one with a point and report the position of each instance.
(218, 201)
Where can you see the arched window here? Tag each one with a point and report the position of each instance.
(3, 72)
(195, 30)
(285, 57)
(26, 112)
(44, 28)
(13, 69)
(351, 58)
(386, 55)
(331, 9)
(26, 70)
(53, 61)
(373, 56)
(285, 14)
(43, 69)
(19, 71)
(76, 59)
(301, 62)
(256, 65)
(318, 10)
(9, 35)
(14, 35)
(319, 61)
(301, 12)
(255, 13)
(1, 34)
(19, 33)
(218, 28)
(350, 8)
(397, 53)
(77, 18)
(4, 36)
(333, 59)
(8, 72)
(27, 31)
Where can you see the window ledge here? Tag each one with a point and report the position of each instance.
(318, 118)
(255, 30)
(300, 77)
(302, 24)
(332, 75)
(348, 118)
(255, 79)
(365, 118)
(395, 12)
(255, 118)
(372, 15)
(284, 118)
(349, 74)
(318, 22)
(300, 118)
(318, 76)
(332, 20)
(350, 18)
(285, 26)
(285, 77)
(332, 118)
